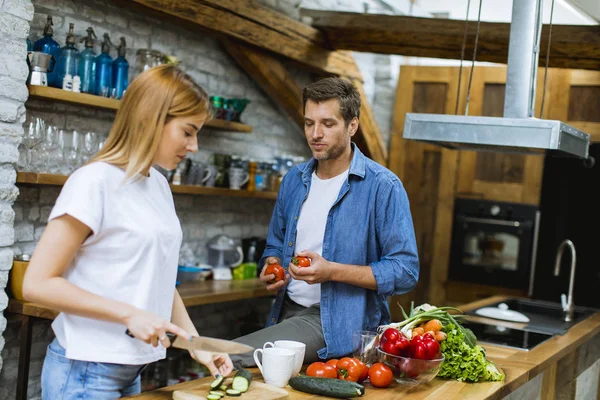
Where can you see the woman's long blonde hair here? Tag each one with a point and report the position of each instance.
(152, 99)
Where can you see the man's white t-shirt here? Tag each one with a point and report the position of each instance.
(311, 231)
(131, 257)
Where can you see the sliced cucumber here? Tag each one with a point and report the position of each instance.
(223, 388)
(213, 397)
(217, 382)
(242, 380)
(214, 392)
(233, 393)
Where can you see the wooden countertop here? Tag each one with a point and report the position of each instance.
(193, 294)
(518, 366)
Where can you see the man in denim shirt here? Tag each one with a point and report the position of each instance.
(351, 217)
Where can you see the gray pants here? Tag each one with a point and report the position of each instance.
(296, 323)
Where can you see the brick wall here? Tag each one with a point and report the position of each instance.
(14, 28)
(202, 217)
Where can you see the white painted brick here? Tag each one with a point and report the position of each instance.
(38, 232)
(28, 194)
(6, 259)
(49, 195)
(84, 124)
(8, 175)
(18, 209)
(117, 20)
(9, 153)
(235, 231)
(61, 6)
(10, 110)
(7, 214)
(23, 232)
(3, 304)
(11, 130)
(3, 280)
(8, 192)
(15, 27)
(140, 27)
(34, 214)
(45, 213)
(2, 323)
(93, 14)
(19, 8)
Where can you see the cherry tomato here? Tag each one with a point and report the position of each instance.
(380, 375)
(276, 270)
(321, 370)
(301, 261)
(348, 369)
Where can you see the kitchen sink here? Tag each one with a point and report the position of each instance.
(506, 337)
(544, 316)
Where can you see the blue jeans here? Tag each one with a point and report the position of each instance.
(65, 379)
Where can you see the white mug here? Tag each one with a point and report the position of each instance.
(277, 365)
(237, 178)
(298, 348)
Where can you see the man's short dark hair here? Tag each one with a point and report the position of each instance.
(335, 88)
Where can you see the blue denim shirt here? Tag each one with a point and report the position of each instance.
(369, 224)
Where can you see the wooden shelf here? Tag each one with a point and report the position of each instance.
(192, 294)
(85, 99)
(33, 178)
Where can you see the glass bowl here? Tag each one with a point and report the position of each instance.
(411, 371)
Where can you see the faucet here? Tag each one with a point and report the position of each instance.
(568, 305)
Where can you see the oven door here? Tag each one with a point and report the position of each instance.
(491, 251)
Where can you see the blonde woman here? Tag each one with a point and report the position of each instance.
(108, 258)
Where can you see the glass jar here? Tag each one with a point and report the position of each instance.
(143, 60)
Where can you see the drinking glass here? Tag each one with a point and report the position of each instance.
(363, 346)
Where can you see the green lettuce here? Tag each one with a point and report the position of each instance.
(464, 360)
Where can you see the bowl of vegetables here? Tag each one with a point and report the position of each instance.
(411, 371)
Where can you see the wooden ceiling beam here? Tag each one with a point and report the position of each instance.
(254, 24)
(572, 46)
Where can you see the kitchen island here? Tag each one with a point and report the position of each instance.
(548, 371)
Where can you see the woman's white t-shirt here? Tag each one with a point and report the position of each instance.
(131, 257)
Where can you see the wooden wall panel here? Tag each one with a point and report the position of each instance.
(584, 103)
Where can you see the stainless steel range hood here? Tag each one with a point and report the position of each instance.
(517, 131)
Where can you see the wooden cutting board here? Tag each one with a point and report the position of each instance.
(256, 391)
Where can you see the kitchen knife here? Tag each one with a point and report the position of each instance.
(204, 343)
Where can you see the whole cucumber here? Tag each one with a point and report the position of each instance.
(327, 387)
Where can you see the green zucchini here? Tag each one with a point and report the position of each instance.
(233, 393)
(213, 397)
(223, 388)
(215, 393)
(327, 387)
(242, 380)
(217, 382)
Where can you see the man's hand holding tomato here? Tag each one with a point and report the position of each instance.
(319, 271)
(274, 280)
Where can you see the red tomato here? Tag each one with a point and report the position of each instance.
(301, 261)
(276, 270)
(321, 370)
(432, 349)
(380, 375)
(365, 371)
(348, 369)
(333, 362)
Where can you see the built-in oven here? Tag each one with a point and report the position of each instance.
(494, 243)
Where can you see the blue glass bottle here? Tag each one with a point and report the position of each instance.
(86, 66)
(29, 45)
(120, 78)
(104, 69)
(49, 46)
(68, 57)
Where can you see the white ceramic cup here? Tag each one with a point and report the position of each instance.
(277, 365)
(298, 348)
(237, 178)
